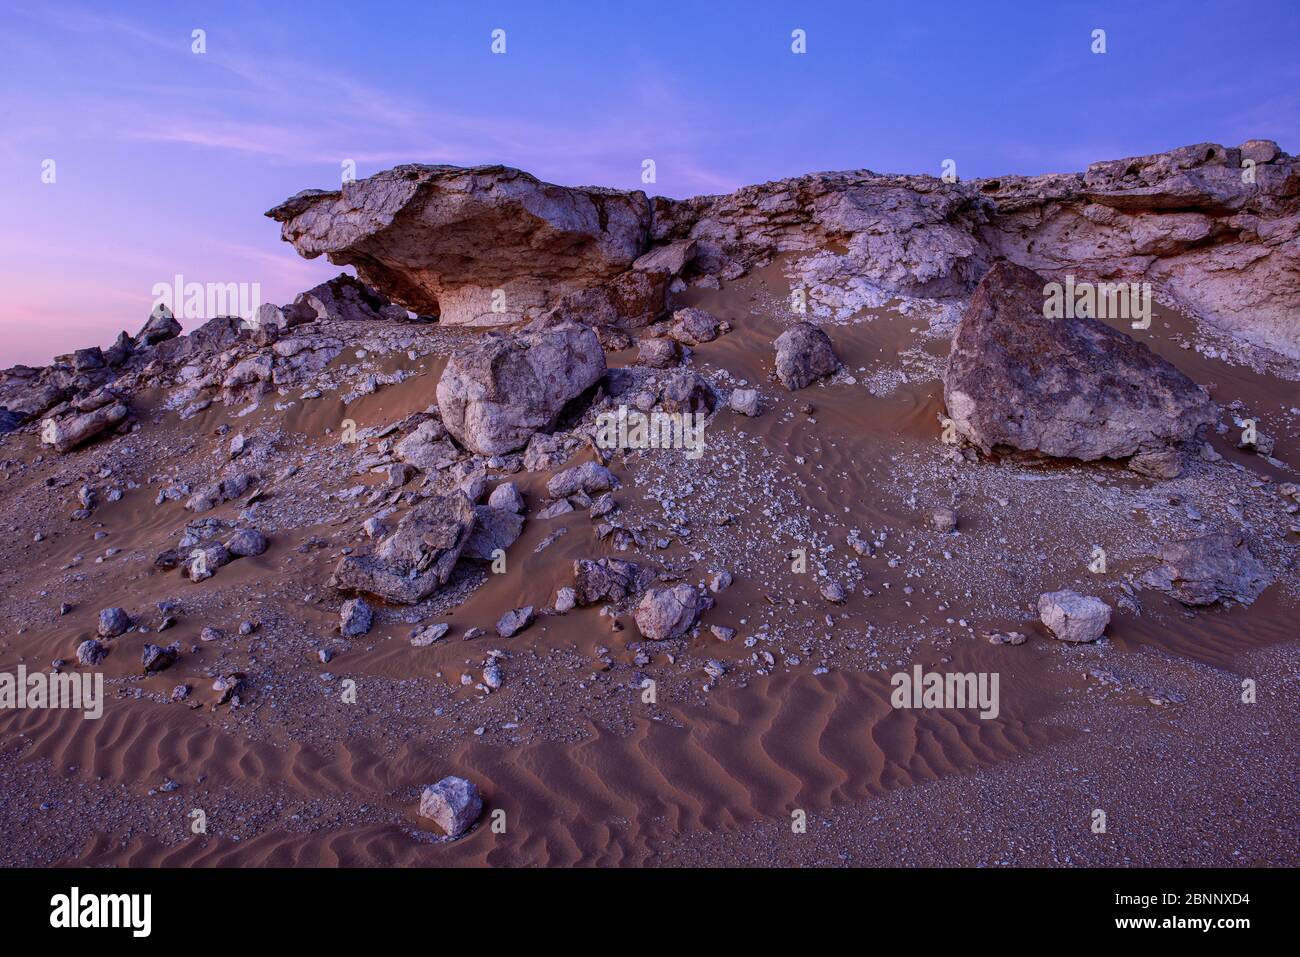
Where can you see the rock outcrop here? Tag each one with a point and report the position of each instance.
(1213, 228)
(342, 299)
(485, 245)
(496, 394)
(67, 433)
(1216, 229)
(1071, 388)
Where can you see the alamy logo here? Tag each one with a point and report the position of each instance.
(1099, 300)
(103, 910)
(953, 689)
(84, 692)
(196, 300)
(631, 429)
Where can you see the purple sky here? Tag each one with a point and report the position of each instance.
(165, 159)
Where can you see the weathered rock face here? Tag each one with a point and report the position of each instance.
(1204, 228)
(1070, 388)
(912, 235)
(804, 354)
(417, 558)
(496, 394)
(1216, 228)
(441, 239)
(1201, 571)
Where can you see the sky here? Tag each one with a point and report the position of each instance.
(164, 158)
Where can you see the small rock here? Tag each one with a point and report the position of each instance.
(943, 519)
(91, 652)
(427, 636)
(515, 621)
(453, 804)
(113, 622)
(565, 599)
(507, 496)
(355, 618)
(833, 592)
(1070, 616)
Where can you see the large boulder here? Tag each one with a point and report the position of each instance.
(1216, 567)
(497, 393)
(1071, 388)
(417, 558)
(804, 354)
(484, 245)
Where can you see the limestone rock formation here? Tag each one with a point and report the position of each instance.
(342, 299)
(67, 433)
(1214, 228)
(162, 325)
(441, 240)
(1217, 229)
